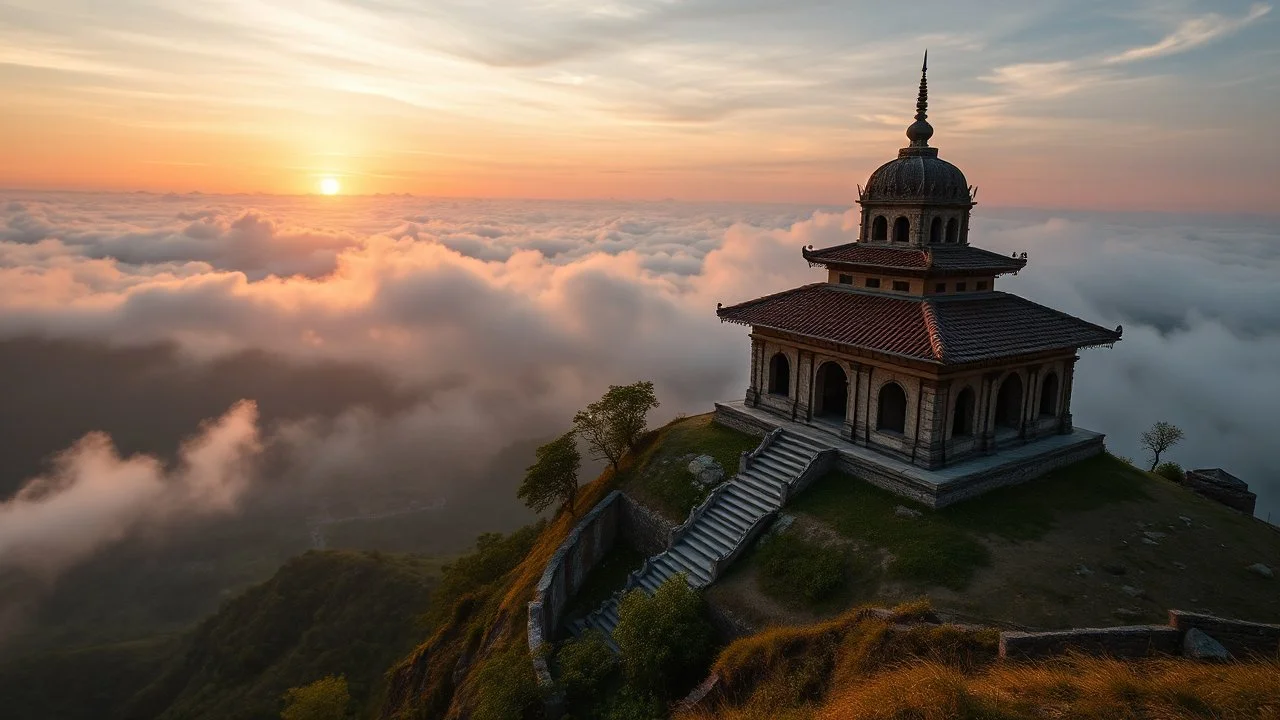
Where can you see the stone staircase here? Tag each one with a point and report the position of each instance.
(720, 529)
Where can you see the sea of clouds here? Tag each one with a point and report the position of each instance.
(490, 321)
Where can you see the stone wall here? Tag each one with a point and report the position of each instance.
(1234, 495)
(588, 542)
(643, 528)
(1239, 637)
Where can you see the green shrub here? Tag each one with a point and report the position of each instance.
(799, 572)
(324, 699)
(630, 705)
(508, 689)
(1171, 471)
(584, 665)
(665, 640)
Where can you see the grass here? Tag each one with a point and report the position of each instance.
(660, 477)
(799, 572)
(945, 547)
(863, 667)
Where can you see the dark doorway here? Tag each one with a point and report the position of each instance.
(892, 415)
(833, 392)
(935, 230)
(1009, 402)
(1049, 395)
(901, 229)
(779, 375)
(953, 230)
(962, 420)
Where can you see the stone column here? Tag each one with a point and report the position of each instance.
(1068, 379)
(986, 431)
(862, 410)
(850, 430)
(801, 408)
(757, 361)
(931, 429)
(1029, 409)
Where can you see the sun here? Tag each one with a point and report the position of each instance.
(330, 186)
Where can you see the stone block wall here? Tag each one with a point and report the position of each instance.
(1241, 638)
(642, 528)
(588, 542)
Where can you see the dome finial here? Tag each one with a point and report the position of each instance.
(920, 130)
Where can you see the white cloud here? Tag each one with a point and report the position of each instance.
(1192, 33)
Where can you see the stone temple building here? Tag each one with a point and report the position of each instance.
(906, 357)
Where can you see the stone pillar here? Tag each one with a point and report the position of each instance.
(1068, 379)
(986, 431)
(757, 363)
(801, 408)
(931, 428)
(1027, 428)
(863, 411)
(850, 430)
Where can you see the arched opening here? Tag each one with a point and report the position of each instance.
(935, 230)
(892, 414)
(1009, 402)
(1049, 395)
(833, 392)
(962, 420)
(779, 375)
(879, 228)
(901, 229)
(953, 231)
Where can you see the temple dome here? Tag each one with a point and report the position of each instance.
(917, 177)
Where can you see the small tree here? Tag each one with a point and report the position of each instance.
(553, 478)
(613, 424)
(1158, 439)
(664, 639)
(1171, 471)
(324, 699)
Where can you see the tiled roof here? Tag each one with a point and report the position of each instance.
(945, 258)
(949, 329)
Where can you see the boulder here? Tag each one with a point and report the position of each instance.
(1083, 570)
(706, 471)
(1261, 570)
(1199, 645)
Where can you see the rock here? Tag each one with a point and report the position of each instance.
(1083, 571)
(706, 471)
(1132, 591)
(1200, 645)
(1114, 569)
(1154, 535)
(1149, 541)
(1178, 565)
(1261, 570)
(906, 512)
(1185, 520)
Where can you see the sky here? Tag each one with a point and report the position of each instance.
(1169, 105)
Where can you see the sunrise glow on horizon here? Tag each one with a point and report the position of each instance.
(1163, 107)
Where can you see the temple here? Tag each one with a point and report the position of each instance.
(930, 381)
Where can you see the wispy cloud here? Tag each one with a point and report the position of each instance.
(1192, 33)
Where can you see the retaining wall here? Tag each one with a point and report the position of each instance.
(1239, 637)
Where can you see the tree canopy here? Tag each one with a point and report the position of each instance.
(553, 477)
(324, 699)
(664, 638)
(613, 424)
(1158, 439)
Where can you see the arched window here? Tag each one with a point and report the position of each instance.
(901, 229)
(962, 420)
(892, 415)
(1009, 402)
(935, 230)
(832, 392)
(880, 228)
(953, 231)
(779, 375)
(1049, 395)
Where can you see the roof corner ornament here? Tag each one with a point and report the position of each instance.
(1119, 331)
(860, 191)
(973, 193)
(1023, 256)
(719, 305)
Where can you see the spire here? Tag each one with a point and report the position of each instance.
(920, 131)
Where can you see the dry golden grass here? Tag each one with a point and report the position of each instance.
(863, 667)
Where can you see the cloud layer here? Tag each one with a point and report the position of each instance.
(497, 319)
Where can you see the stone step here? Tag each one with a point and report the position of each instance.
(733, 521)
(706, 553)
(740, 515)
(772, 474)
(762, 500)
(708, 544)
(691, 563)
(793, 453)
(801, 442)
(763, 483)
(714, 529)
(782, 468)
